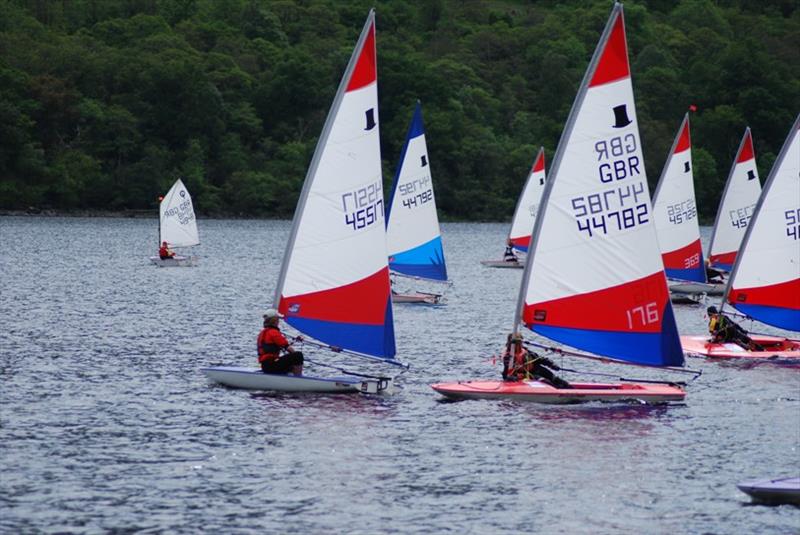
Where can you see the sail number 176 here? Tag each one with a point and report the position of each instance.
(643, 315)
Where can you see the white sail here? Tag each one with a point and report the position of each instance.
(736, 206)
(675, 212)
(594, 278)
(334, 282)
(528, 205)
(177, 221)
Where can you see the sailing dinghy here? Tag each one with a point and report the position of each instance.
(765, 280)
(742, 190)
(177, 226)
(413, 238)
(519, 237)
(594, 279)
(675, 217)
(773, 491)
(334, 281)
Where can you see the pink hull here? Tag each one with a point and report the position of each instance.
(775, 347)
(540, 392)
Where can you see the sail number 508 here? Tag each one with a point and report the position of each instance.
(643, 315)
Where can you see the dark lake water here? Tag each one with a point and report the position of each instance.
(107, 424)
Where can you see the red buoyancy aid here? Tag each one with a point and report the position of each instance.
(270, 343)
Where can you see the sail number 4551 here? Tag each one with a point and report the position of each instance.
(364, 206)
(643, 315)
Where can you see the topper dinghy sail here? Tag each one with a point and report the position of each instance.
(675, 217)
(742, 190)
(334, 280)
(594, 279)
(519, 237)
(413, 238)
(177, 226)
(765, 281)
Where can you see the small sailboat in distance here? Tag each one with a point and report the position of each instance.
(519, 237)
(413, 238)
(675, 217)
(742, 190)
(594, 279)
(177, 227)
(334, 280)
(765, 280)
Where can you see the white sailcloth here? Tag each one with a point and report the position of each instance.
(736, 206)
(594, 278)
(528, 205)
(675, 212)
(178, 225)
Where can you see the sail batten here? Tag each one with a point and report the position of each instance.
(594, 240)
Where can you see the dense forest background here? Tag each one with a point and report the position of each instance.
(103, 103)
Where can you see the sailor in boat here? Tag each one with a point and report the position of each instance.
(724, 331)
(509, 255)
(275, 355)
(713, 276)
(164, 252)
(520, 364)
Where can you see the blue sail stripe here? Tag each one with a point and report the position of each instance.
(375, 340)
(784, 318)
(695, 274)
(426, 260)
(521, 248)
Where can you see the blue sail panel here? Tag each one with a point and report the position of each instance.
(426, 261)
(697, 274)
(375, 340)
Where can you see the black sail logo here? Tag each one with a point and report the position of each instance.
(370, 119)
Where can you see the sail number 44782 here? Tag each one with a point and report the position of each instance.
(643, 315)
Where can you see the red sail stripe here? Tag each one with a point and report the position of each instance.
(783, 295)
(365, 72)
(619, 308)
(362, 302)
(613, 64)
(747, 149)
(684, 142)
(539, 165)
(678, 258)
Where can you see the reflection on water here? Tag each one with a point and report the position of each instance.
(107, 423)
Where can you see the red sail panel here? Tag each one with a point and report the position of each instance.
(365, 72)
(613, 63)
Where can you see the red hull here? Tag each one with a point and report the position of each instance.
(540, 392)
(775, 347)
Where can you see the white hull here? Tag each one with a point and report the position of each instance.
(255, 379)
(503, 264)
(696, 288)
(175, 261)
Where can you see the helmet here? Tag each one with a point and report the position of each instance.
(711, 310)
(272, 313)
